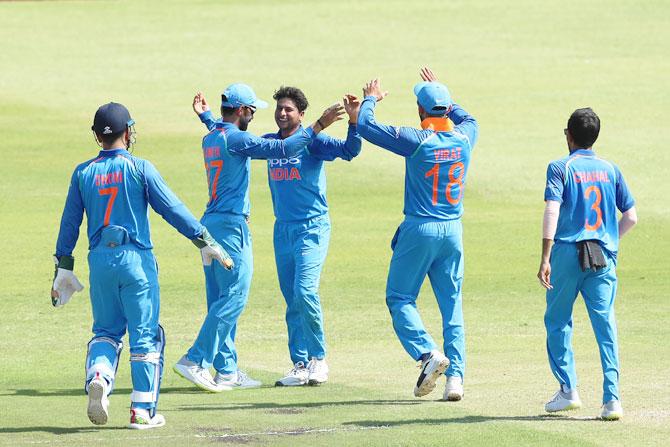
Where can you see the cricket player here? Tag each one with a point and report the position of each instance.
(228, 149)
(580, 241)
(115, 189)
(429, 240)
(302, 231)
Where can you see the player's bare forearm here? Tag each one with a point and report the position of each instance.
(544, 273)
(546, 249)
(627, 221)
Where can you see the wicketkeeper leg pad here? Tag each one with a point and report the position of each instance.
(102, 359)
(147, 371)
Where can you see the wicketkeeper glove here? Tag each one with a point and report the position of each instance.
(65, 282)
(210, 250)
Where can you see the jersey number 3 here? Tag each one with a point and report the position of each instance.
(595, 207)
(453, 181)
(111, 192)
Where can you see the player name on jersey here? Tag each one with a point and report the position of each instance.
(212, 152)
(447, 154)
(108, 179)
(591, 177)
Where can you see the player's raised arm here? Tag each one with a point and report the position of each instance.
(328, 117)
(328, 148)
(399, 140)
(264, 148)
(202, 109)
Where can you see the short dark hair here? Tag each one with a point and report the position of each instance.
(294, 94)
(584, 126)
(227, 111)
(109, 138)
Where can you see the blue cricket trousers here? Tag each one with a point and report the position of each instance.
(432, 247)
(227, 294)
(125, 295)
(300, 251)
(598, 290)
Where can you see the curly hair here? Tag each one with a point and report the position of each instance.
(294, 94)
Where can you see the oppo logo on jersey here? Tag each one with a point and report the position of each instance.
(279, 173)
(283, 161)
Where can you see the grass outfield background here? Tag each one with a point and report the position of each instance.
(520, 68)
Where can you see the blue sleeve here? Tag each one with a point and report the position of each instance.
(250, 145)
(399, 140)
(624, 199)
(327, 148)
(165, 202)
(555, 182)
(73, 214)
(465, 123)
(207, 119)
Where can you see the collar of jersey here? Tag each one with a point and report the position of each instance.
(437, 124)
(112, 152)
(279, 137)
(582, 152)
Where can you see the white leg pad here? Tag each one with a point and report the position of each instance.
(142, 396)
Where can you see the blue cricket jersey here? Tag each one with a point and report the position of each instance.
(115, 188)
(228, 150)
(298, 184)
(436, 159)
(589, 189)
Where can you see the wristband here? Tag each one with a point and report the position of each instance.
(320, 124)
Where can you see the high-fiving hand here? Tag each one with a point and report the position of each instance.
(374, 88)
(200, 105)
(351, 105)
(328, 117)
(427, 75)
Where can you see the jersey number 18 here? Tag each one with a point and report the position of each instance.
(453, 181)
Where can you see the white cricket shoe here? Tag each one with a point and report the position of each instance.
(235, 380)
(140, 419)
(98, 403)
(454, 389)
(611, 411)
(196, 374)
(298, 376)
(563, 401)
(318, 372)
(431, 370)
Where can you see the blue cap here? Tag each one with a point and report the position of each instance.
(433, 97)
(111, 118)
(238, 95)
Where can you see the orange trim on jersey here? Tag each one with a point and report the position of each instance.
(437, 124)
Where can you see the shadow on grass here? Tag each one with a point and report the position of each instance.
(468, 420)
(80, 391)
(281, 405)
(58, 430)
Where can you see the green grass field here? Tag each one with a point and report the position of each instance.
(520, 67)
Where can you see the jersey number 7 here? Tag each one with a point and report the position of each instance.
(215, 165)
(112, 192)
(453, 181)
